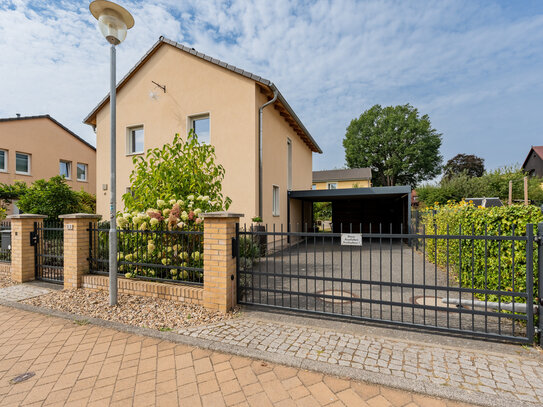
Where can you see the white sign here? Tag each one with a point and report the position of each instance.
(351, 239)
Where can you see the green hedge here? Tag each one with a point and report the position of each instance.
(466, 257)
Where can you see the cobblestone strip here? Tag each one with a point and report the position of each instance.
(21, 292)
(506, 376)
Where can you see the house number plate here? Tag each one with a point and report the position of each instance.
(351, 239)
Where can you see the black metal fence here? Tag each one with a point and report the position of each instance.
(454, 282)
(5, 241)
(48, 241)
(158, 254)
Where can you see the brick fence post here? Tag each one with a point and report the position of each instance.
(219, 265)
(76, 247)
(22, 252)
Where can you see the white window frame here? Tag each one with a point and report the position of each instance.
(5, 169)
(276, 200)
(314, 187)
(77, 172)
(199, 116)
(29, 164)
(329, 184)
(130, 148)
(289, 164)
(69, 176)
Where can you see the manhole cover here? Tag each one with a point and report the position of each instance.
(345, 296)
(22, 377)
(434, 302)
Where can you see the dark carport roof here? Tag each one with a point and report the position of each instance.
(350, 193)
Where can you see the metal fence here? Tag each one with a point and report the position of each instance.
(48, 242)
(158, 254)
(5, 241)
(455, 282)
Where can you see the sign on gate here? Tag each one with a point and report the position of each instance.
(351, 239)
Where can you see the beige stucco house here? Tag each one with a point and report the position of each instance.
(39, 147)
(174, 88)
(340, 179)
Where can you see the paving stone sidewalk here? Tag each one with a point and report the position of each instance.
(80, 364)
(518, 379)
(21, 292)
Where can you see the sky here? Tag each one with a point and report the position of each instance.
(475, 67)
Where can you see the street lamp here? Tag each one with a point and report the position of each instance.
(113, 21)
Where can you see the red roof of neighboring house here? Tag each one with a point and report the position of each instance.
(538, 150)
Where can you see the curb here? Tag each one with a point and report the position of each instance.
(424, 388)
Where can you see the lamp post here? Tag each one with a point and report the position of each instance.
(113, 21)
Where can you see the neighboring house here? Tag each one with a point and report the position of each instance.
(39, 147)
(173, 89)
(533, 164)
(340, 179)
(484, 202)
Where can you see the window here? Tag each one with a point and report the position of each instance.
(275, 203)
(135, 140)
(81, 172)
(66, 169)
(3, 161)
(332, 185)
(22, 163)
(289, 164)
(314, 187)
(200, 125)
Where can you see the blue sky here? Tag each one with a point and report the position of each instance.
(475, 67)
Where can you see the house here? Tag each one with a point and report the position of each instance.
(533, 164)
(485, 202)
(339, 179)
(39, 147)
(173, 89)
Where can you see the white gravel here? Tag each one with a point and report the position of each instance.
(147, 312)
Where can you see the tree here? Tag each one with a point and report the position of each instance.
(400, 147)
(469, 164)
(176, 171)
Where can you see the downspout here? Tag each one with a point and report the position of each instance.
(260, 182)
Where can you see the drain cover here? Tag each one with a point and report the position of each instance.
(22, 377)
(345, 296)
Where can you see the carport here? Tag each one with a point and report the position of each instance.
(363, 209)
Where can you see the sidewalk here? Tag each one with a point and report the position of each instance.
(78, 364)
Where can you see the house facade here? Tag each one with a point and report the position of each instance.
(173, 89)
(341, 179)
(533, 164)
(39, 147)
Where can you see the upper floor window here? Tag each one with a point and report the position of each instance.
(275, 201)
(135, 140)
(332, 185)
(200, 125)
(22, 163)
(81, 172)
(65, 169)
(3, 161)
(314, 187)
(289, 164)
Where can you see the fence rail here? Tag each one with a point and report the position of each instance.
(5, 241)
(159, 254)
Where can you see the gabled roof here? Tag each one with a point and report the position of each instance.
(536, 149)
(350, 174)
(281, 103)
(46, 116)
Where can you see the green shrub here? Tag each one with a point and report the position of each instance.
(466, 257)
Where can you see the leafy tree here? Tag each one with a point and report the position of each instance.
(469, 164)
(322, 210)
(176, 171)
(11, 192)
(397, 144)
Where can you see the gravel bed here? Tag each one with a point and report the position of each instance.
(147, 312)
(5, 279)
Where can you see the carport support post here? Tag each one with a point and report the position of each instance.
(219, 263)
(23, 266)
(76, 247)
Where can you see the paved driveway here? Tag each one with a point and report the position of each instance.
(79, 365)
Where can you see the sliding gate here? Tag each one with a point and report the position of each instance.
(478, 285)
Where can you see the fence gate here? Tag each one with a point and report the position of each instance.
(458, 281)
(48, 242)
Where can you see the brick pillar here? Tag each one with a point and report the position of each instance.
(219, 265)
(22, 253)
(76, 247)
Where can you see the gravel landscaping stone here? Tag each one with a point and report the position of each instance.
(5, 279)
(147, 312)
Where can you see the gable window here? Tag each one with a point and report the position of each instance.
(3, 161)
(201, 126)
(332, 185)
(65, 169)
(135, 140)
(314, 187)
(289, 164)
(275, 201)
(22, 163)
(81, 172)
